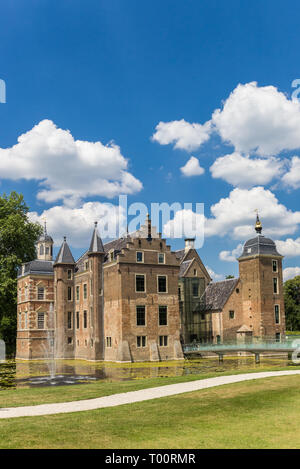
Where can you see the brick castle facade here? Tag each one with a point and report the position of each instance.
(133, 299)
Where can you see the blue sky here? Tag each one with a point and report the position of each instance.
(111, 71)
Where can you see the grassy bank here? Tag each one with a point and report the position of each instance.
(254, 414)
(46, 395)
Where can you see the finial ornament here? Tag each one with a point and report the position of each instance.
(96, 224)
(65, 238)
(258, 225)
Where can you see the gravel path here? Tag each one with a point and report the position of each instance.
(135, 396)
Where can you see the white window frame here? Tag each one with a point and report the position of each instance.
(141, 306)
(275, 271)
(279, 318)
(163, 325)
(145, 285)
(141, 346)
(143, 257)
(164, 256)
(167, 283)
(277, 285)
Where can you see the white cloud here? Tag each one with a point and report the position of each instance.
(77, 223)
(243, 171)
(259, 119)
(214, 276)
(289, 248)
(192, 168)
(231, 256)
(234, 215)
(67, 169)
(290, 273)
(292, 177)
(182, 134)
(186, 224)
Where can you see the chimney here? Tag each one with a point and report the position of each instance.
(189, 244)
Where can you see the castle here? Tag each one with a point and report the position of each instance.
(133, 299)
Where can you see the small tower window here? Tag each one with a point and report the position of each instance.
(275, 266)
(41, 321)
(275, 285)
(277, 314)
(69, 294)
(69, 274)
(41, 293)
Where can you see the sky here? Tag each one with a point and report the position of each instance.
(163, 101)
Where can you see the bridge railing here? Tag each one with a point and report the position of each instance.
(265, 345)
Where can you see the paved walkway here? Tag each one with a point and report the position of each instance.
(136, 396)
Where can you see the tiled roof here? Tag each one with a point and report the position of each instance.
(184, 267)
(180, 254)
(96, 242)
(217, 294)
(36, 267)
(259, 245)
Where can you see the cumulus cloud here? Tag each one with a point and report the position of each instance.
(77, 223)
(216, 277)
(182, 134)
(192, 168)
(186, 224)
(231, 256)
(290, 273)
(289, 248)
(259, 119)
(234, 215)
(292, 177)
(66, 168)
(243, 171)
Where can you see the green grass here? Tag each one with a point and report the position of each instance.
(46, 395)
(254, 414)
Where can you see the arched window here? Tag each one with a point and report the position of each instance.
(41, 249)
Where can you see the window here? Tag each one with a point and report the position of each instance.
(85, 319)
(277, 314)
(162, 283)
(41, 249)
(20, 321)
(85, 291)
(108, 342)
(195, 287)
(69, 320)
(41, 293)
(195, 272)
(278, 337)
(163, 315)
(140, 256)
(41, 321)
(275, 266)
(111, 255)
(26, 293)
(218, 339)
(86, 265)
(141, 341)
(140, 283)
(69, 293)
(161, 258)
(47, 251)
(70, 340)
(77, 320)
(77, 293)
(275, 285)
(141, 316)
(179, 293)
(163, 341)
(231, 314)
(69, 274)
(26, 320)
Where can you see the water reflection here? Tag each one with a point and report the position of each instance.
(36, 374)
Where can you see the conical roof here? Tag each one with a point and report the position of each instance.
(64, 256)
(96, 242)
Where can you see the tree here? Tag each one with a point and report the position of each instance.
(229, 277)
(17, 245)
(292, 303)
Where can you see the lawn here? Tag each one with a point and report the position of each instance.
(254, 414)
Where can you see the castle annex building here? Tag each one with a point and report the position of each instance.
(133, 299)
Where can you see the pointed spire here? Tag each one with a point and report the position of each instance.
(64, 256)
(96, 242)
(258, 225)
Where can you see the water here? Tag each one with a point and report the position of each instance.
(36, 373)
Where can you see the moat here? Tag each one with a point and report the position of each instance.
(17, 374)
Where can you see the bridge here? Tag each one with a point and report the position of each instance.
(289, 347)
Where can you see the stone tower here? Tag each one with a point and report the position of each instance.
(260, 267)
(64, 270)
(96, 259)
(45, 246)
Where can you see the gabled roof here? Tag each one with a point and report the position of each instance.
(217, 294)
(184, 267)
(64, 256)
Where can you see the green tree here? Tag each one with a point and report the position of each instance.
(17, 245)
(229, 277)
(292, 303)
